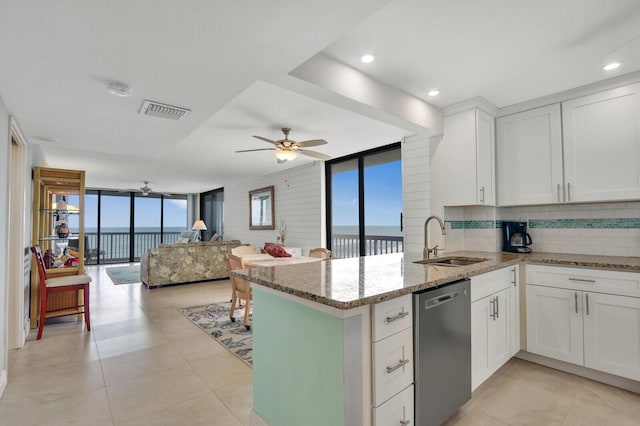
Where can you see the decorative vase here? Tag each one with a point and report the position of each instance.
(63, 231)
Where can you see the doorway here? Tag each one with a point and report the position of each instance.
(19, 258)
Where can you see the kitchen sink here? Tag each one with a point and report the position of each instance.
(451, 261)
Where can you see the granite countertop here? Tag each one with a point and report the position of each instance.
(354, 282)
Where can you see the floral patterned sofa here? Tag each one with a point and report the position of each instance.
(185, 263)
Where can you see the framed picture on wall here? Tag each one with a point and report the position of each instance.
(261, 208)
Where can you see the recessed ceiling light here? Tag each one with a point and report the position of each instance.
(611, 66)
(367, 59)
(434, 92)
(119, 89)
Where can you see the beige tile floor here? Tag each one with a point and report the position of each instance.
(144, 363)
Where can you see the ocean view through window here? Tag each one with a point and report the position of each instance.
(121, 226)
(364, 207)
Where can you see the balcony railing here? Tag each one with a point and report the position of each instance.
(114, 246)
(348, 245)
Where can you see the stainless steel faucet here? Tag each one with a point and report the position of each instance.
(426, 252)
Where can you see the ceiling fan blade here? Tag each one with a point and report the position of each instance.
(265, 139)
(259, 149)
(313, 142)
(314, 154)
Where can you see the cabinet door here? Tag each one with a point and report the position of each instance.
(602, 145)
(612, 334)
(485, 158)
(529, 157)
(499, 345)
(554, 323)
(460, 169)
(514, 306)
(480, 371)
(490, 346)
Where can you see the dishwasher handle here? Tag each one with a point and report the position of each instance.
(434, 302)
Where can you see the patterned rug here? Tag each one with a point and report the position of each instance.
(214, 319)
(124, 274)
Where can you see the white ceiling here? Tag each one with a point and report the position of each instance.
(226, 61)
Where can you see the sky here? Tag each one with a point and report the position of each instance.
(383, 196)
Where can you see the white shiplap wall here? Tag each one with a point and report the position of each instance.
(416, 193)
(299, 199)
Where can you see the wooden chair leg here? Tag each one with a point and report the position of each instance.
(246, 314)
(87, 314)
(43, 316)
(234, 299)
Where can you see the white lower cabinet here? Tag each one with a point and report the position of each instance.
(581, 324)
(554, 323)
(612, 334)
(392, 362)
(398, 411)
(490, 340)
(493, 320)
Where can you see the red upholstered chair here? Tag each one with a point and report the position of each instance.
(55, 285)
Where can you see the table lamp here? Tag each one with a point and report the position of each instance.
(199, 226)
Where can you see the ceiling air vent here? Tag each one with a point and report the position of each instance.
(157, 109)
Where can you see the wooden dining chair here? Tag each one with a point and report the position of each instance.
(56, 285)
(241, 250)
(240, 290)
(320, 252)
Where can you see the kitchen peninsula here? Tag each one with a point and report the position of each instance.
(315, 331)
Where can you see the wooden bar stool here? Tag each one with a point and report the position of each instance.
(56, 285)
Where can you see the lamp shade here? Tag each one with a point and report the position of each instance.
(199, 225)
(286, 154)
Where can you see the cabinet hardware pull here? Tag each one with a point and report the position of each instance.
(582, 280)
(576, 297)
(404, 422)
(400, 364)
(587, 296)
(493, 308)
(396, 317)
(558, 192)
(482, 191)
(497, 307)
(514, 277)
(568, 191)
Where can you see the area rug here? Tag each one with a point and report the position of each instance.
(124, 274)
(214, 320)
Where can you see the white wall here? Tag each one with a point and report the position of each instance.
(5, 145)
(416, 190)
(299, 199)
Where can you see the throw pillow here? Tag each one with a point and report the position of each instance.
(214, 237)
(183, 240)
(275, 250)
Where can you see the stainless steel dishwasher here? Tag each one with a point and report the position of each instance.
(442, 351)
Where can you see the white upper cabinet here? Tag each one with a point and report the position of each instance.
(588, 152)
(601, 136)
(529, 160)
(469, 140)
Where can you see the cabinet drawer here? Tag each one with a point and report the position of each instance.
(491, 282)
(392, 316)
(392, 365)
(584, 279)
(397, 411)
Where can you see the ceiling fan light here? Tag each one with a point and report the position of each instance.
(286, 155)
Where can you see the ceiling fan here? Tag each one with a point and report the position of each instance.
(287, 149)
(145, 189)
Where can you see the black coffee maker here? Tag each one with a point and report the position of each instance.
(515, 238)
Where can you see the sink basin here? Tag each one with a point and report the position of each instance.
(451, 261)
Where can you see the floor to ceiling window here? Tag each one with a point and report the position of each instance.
(364, 207)
(212, 212)
(121, 226)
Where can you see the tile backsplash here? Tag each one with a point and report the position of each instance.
(598, 229)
